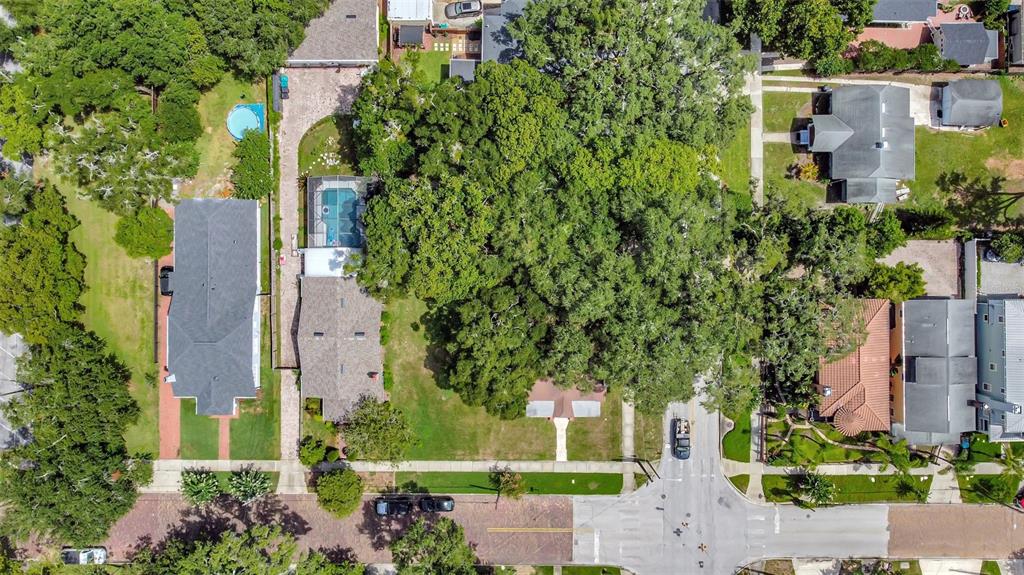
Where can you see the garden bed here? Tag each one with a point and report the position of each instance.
(852, 489)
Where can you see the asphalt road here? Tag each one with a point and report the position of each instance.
(692, 520)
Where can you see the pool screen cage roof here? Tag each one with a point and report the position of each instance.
(317, 228)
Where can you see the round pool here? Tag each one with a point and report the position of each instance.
(241, 119)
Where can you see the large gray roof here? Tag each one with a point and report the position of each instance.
(869, 133)
(940, 370)
(11, 348)
(339, 344)
(969, 43)
(904, 10)
(972, 103)
(213, 323)
(346, 34)
(869, 191)
(497, 44)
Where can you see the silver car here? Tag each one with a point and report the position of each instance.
(87, 556)
(463, 9)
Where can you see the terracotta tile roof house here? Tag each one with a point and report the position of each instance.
(855, 389)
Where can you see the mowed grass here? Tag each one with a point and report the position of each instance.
(224, 476)
(735, 162)
(780, 108)
(327, 148)
(992, 152)
(990, 568)
(736, 443)
(118, 306)
(216, 145)
(536, 483)
(597, 438)
(199, 434)
(978, 488)
(797, 194)
(740, 481)
(648, 435)
(432, 66)
(447, 428)
(852, 489)
(255, 434)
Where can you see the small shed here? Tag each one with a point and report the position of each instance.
(969, 43)
(410, 35)
(463, 68)
(972, 103)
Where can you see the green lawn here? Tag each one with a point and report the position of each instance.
(851, 489)
(315, 425)
(433, 66)
(223, 476)
(992, 152)
(446, 427)
(736, 162)
(199, 434)
(990, 568)
(597, 438)
(806, 448)
(327, 148)
(648, 435)
(797, 194)
(780, 108)
(740, 481)
(736, 443)
(216, 145)
(255, 434)
(536, 483)
(118, 305)
(984, 451)
(977, 488)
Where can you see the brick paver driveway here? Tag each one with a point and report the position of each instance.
(538, 527)
(979, 531)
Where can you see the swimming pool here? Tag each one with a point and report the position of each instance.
(339, 212)
(244, 117)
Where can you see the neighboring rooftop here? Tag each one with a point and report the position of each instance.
(972, 103)
(346, 34)
(497, 43)
(339, 345)
(940, 371)
(409, 10)
(855, 389)
(1001, 367)
(869, 134)
(11, 348)
(548, 400)
(899, 11)
(465, 69)
(213, 323)
(969, 43)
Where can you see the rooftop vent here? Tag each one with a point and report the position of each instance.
(827, 391)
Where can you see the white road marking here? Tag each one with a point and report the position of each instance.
(597, 546)
(778, 521)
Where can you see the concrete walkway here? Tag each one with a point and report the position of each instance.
(561, 450)
(753, 89)
(755, 490)
(944, 489)
(779, 137)
(799, 89)
(628, 446)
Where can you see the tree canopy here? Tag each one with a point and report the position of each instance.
(438, 548)
(75, 477)
(147, 233)
(377, 431)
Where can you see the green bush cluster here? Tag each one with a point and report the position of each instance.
(1010, 246)
(147, 233)
(339, 491)
(252, 176)
(875, 56)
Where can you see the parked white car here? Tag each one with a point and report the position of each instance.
(86, 556)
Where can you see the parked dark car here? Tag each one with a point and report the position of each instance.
(463, 9)
(388, 506)
(680, 438)
(165, 280)
(437, 504)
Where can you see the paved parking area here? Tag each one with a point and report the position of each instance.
(991, 531)
(939, 260)
(999, 278)
(532, 530)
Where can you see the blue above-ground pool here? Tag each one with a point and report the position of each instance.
(245, 117)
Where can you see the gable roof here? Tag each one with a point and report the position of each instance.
(972, 103)
(548, 400)
(212, 326)
(969, 43)
(858, 384)
(497, 44)
(904, 10)
(940, 371)
(346, 33)
(339, 344)
(869, 134)
(869, 191)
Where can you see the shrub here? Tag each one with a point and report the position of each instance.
(333, 455)
(808, 172)
(932, 223)
(199, 486)
(832, 65)
(994, 14)
(339, 491)
(278, 244)
(874, 56)
(1010, 247)
(251, 176)
(248, 485)
(885, 234)
(178, 122)
(147, 233)
(312, 451)
(897, 283)
(377, 432)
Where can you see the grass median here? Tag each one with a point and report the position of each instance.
(536, 483)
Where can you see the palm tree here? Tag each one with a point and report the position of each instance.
(896, 454)
(1013, 462)
(817, 488)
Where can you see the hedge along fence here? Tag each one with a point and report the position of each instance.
(874, 56)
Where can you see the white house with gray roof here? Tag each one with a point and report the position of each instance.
(1000, 331)
(940, 371)
(213, 326)
(868, 134)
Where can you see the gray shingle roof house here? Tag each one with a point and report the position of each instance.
(496, 43)
(213, 331)
(1001, 369)
(465, 69)
(339, 345)
(11, 348)
(903, 11)
(973, 103)
(869, 136)
(1015, 36)
(940, 371)
(345, 35)
(969, 43)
